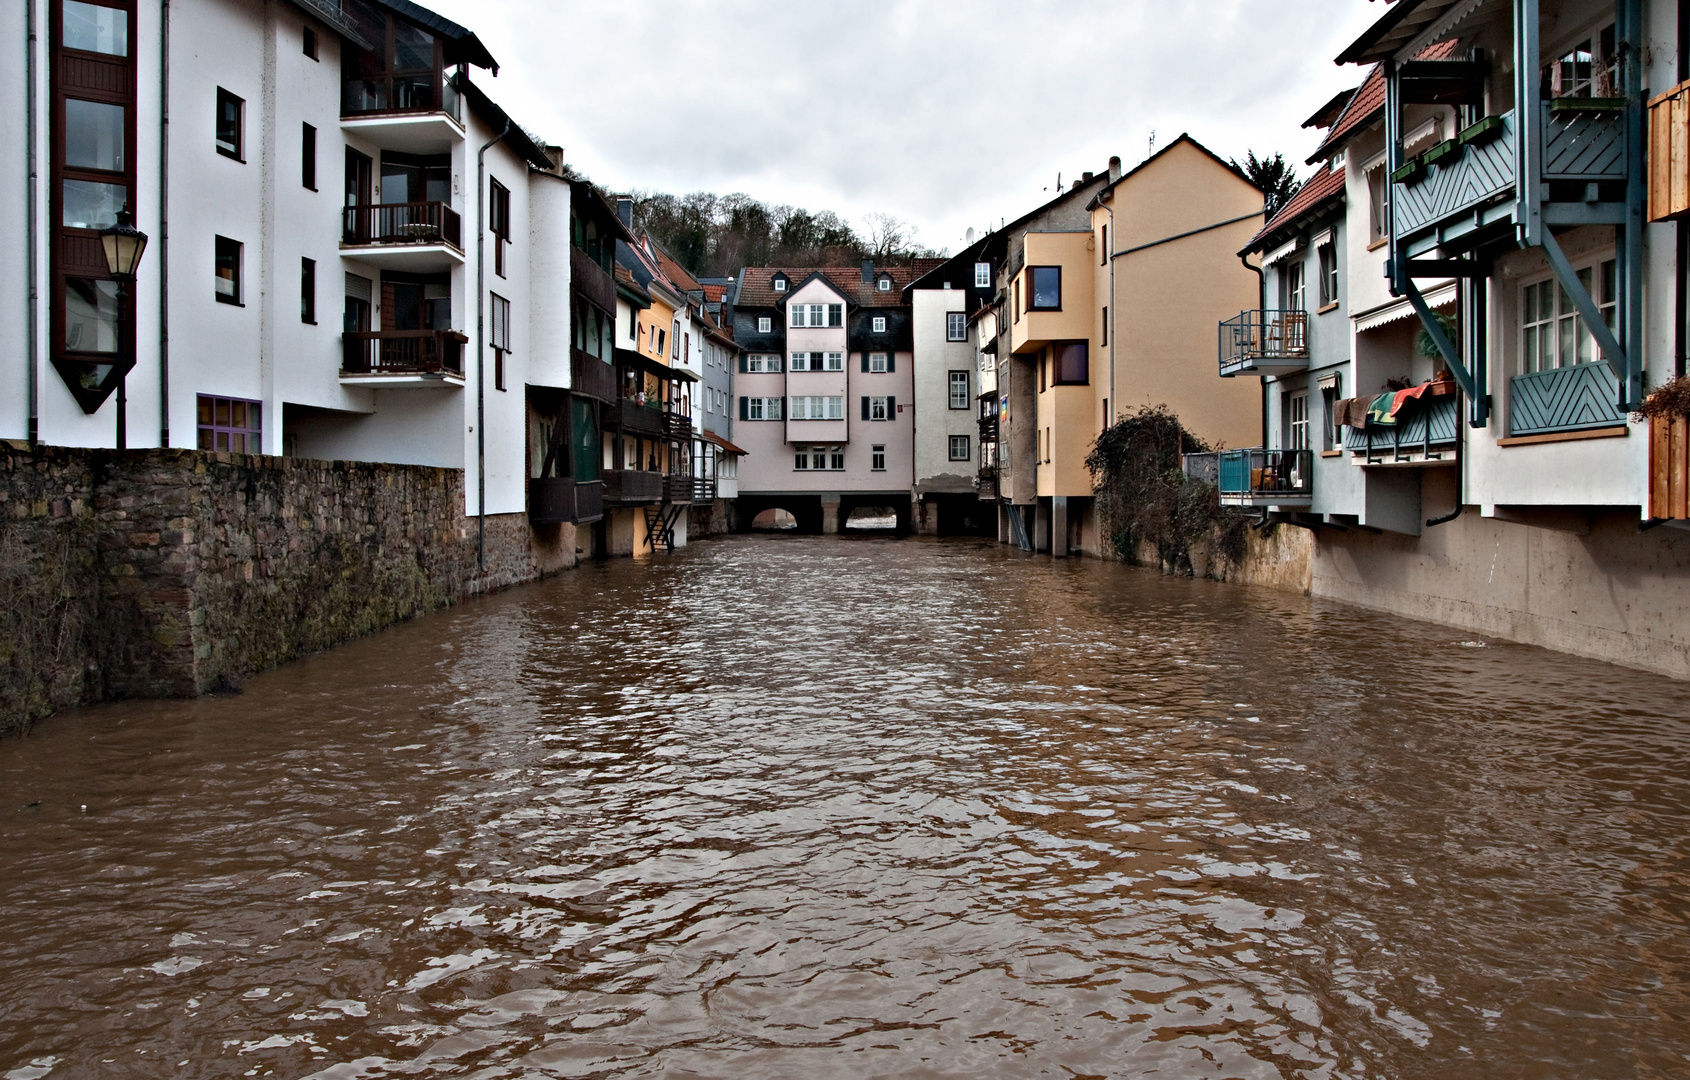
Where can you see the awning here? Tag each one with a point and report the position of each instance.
(1288, 248)
(712, 437)
(1441, 296)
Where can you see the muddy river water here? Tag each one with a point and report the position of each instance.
(842, 807)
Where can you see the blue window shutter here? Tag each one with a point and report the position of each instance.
(744, 405)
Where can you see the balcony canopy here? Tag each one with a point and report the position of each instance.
(1405, 23)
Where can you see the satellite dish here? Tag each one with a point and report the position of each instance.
(968, 238)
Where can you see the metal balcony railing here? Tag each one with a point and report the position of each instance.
(1267, 342)
(1262, 474)
(402, 352)
(389, 93)
(402, 223)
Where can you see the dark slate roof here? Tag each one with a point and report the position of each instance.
(755, 291)
(517, 138)
(1324, 187)
(462, 46)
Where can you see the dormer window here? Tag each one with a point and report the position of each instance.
(780, 284)
(982, 275)
(884, 284)
(880, 324)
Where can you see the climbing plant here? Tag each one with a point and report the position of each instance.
(1143, 495)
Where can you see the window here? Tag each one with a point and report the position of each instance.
(836, 314)
(499, 222)
(1046, 288)
(229, 117)
(658, 338)
(877, 458)
(780, 284)
(756, 363)
(230, 425)
(1328, 254)
(1103, 245)
(228, 265)
(501, 337)
(877, 362)
(675, 341)
(879, 408)
(308, 290)
(1553, 334)
(1292, 295)
(820, 458)
(308, 157)
(1376, 203)
(1589, 69)
(97, 29)
(764, 324)
(959, 389)
(1297, 420)
(801, 362)
(880, 324)
(759, 408)
(884, 284)
(1017, 305)
(959, 448)
(956, 326)
(835, 361)
(1331, 432)
(311, 42)
(1072, 364)
(1103, 321)
(817, 407)
(982, 275)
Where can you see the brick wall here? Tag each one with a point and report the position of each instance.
(159, 573)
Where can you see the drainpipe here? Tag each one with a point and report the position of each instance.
(480, 349)
(164, 228)
(1114, 302)
(30, 245)
(1261, 303)
(1460, 440)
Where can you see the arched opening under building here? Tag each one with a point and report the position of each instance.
(774, 519)
(872, 519)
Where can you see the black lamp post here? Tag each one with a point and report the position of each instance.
(124, 245)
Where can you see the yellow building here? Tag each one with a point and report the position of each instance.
(1108, 319)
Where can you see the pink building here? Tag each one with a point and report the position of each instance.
(825, 392)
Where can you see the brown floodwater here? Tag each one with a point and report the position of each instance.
(844, 807)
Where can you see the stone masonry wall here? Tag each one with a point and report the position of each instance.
(174, 572)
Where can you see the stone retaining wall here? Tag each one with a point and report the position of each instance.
(156, 573)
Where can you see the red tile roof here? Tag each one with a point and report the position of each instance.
(755, 290)
(1369, 102)
(1324, 186)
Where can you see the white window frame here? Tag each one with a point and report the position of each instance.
(800, 362)
(956, 326)
(883, 285)
(765, 325)
(877, 409)
(963, 441)
(879, 324)
(955, 401)
(817, 407)
(877, 363)
(1565, 323)
(1297, 420)
(982, 275)
(795, 315)
(778, 284)
(835, 361)
(877, 458)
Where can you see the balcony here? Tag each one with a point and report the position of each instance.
(632, 487)
(635, 418)
(679, 489)
(419, 236)
(591, 280)
(402, 358)
(677, 426)
(1577, 398)
(1424, 433)
(415, 113)
(591, 377)
(1265, 477)
(555, 501)
(1267, 342)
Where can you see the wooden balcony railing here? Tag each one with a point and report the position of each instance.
(402, 352)
(644, 419)
(591, 280)
(1669, 154)
(623, 486)
(1669, 468)
(677, 425)
(553, 501)
(678, 489)
(402, 223)
(591, 377)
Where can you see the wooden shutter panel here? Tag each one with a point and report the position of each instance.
(891, 405)
(891, 362)
(865, 363)
(742, 368)
(865, 408)
(744, 405)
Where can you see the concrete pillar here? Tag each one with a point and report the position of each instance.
(1041, 526)
(1005, 534)
(1059, 526)
(830, 515)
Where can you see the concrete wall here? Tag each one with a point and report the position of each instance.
(189, 571)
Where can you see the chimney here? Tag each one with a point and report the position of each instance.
(1085, 177)
(868, 271)
(1114, 169)
(555, 155)
(625, 211)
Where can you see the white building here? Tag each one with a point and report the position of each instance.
(947, 387)
(350, 243)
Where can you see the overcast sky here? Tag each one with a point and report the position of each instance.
(947, 113)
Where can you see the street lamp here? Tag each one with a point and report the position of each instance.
(124, 245)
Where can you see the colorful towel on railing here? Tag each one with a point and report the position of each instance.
(1413, 393)
(1382, 412)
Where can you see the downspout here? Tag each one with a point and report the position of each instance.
(1261, 304)
(164, 228)
(481, 349)
(30, 245)
(1114, 302)
(1460, 441)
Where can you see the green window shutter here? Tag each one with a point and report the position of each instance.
(742, 369)
(891, 362)
(744, 404)
(891, 405)
(865, 363)
(865, 408)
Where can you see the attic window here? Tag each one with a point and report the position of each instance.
(884, 284)
(780, 284)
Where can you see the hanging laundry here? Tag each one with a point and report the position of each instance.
(1380, 412)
